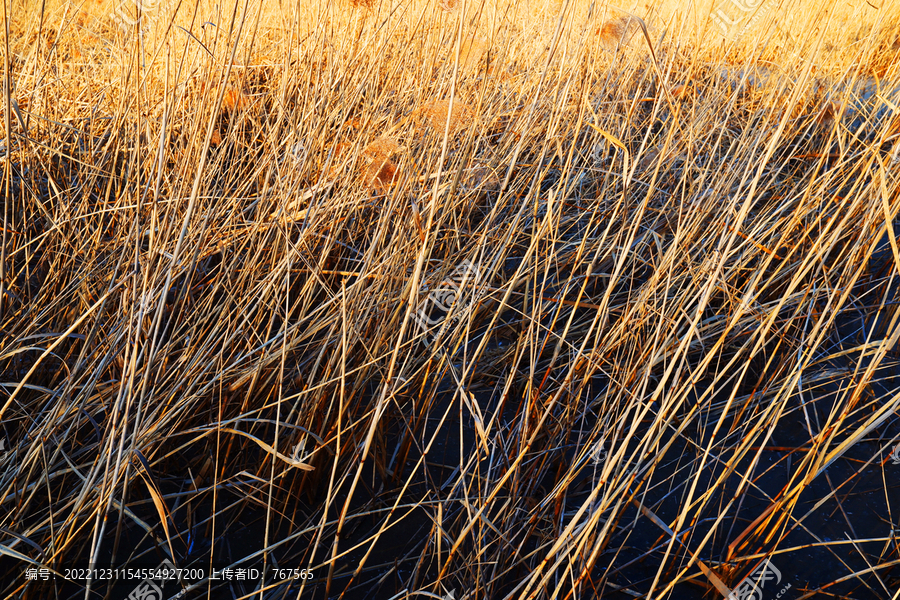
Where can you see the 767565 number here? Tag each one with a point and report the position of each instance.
(293, 573)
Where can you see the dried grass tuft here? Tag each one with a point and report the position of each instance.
(380, 172)
(381, 148)
(437, 112)
(472, 51)
(827, 113)
(380, 175)
(234, 99)
(617, 31)
(683, 91)
(481, 177)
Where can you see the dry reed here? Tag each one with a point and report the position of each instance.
(631, 335)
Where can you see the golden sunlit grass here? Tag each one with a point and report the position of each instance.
(503, 300)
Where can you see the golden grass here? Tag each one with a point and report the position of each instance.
(627, 330)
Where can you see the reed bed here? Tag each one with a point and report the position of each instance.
(449, 300)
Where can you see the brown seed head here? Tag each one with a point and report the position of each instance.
(614, 31)
(826, 115)
(680, 92)
(380, 175)
(436, 114)
(234, 99)
(471, 51)
(380, 171)
(381, 148)
(481, 176)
